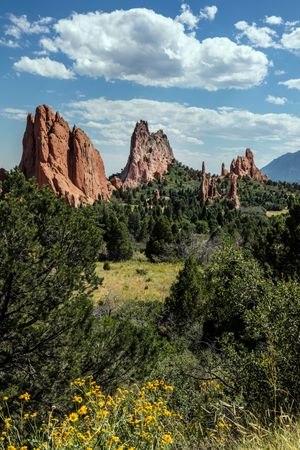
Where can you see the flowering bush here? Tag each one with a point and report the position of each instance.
(131, 419)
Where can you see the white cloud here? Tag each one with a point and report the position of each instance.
(44, 67)
(279, 72)
(9, 43)
(276, 100)
(209, 12)
(48, 45)
(189, 128)
(291, 41)
(187, 17)
(141, 46)
(257, 36)
(274, 20)
(291, 84)
(21, 25)
(14, 113)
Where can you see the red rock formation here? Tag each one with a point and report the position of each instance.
(63, 159)
(212, 189)
(204, 184)
(234, 190)
(150, 156)
(244, 166)
(208, 187)
(116, 182)
(224, 171)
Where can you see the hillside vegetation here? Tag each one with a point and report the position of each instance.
(151, 321)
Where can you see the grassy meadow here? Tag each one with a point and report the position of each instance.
(136, 279)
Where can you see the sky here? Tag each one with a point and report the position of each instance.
(216, 76)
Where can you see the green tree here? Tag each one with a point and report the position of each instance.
(233, 284)
(48, 254)
(119, 245)
(185, 301)
(161, 237)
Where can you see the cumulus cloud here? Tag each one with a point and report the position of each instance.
(44, 67)
(21, 25)
(276, 100)
(274, 20)
(291, 84)
(189, 128)
(187, 17)
(14, 113)
(141, 46)
(291, 41)
(257, 36)
(209, 12)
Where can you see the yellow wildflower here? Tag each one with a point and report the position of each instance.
(73, 417)
(11, 447)
(77, 399)
(24, 447)
(167, 439)
(83, 410)
(5, 398)
(24, 396)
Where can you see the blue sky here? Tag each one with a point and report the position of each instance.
(217, 76)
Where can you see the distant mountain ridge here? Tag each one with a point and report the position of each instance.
(284, 168)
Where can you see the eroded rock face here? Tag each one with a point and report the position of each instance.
(234, 190)
(208, 187)
(116, 182)
(63, 159)
(244, 166)
(149, 159)
(224, 171)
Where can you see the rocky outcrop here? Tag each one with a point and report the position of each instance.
(224, 171)
(234, 190)
(244, 166)
(208, 187)
(204, 184)
(116, 182)
(63, 159)
(149, 159)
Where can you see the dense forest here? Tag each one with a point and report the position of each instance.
(220, 353)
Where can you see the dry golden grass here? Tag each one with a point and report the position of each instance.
(277, 213)
(123, 282)
(286, 437)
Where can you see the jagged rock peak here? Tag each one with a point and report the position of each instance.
(63, 159)
(234, 190)
(150, 156)
(224, 171)
(244, 166)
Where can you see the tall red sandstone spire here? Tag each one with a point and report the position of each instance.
(63, 159)
(150, 156)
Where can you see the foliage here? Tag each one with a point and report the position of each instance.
(185, 300)
(136, 418)
(48, 254)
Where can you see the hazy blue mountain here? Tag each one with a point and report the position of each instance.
(284, 168)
